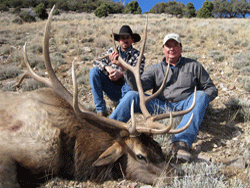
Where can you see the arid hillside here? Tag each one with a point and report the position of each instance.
(222, 46)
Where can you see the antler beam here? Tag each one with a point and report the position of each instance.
(56, 85)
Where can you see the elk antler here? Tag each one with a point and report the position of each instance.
(57, 86)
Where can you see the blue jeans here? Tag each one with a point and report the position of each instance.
(122, 112)
(100, 83)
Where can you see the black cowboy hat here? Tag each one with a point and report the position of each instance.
(126, 30)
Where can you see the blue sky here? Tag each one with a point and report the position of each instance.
(146, 5)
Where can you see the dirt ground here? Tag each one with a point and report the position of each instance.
(223, 139)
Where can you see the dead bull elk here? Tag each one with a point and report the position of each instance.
(47, 133)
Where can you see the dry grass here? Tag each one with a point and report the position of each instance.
(216, 43)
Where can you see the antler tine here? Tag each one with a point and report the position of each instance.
(30, 72)
(177, 113)
(55, 83)
(152, 119)
(133, 130)
(137, 75)
(162, 129)
(156, 128)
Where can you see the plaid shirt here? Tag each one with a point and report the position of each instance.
(131, 58)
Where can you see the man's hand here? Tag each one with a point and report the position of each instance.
(114, 60)
(113, 74)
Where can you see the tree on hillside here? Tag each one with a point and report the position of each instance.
(189, 11)
(158, 8)
(133, 8)
(102, 11)
(239, 8)
(231, 9)
(222, 8)
(108, 8)
(171, 7)
(206, 10)
(244, 7)
(174, 8)
(116, 7)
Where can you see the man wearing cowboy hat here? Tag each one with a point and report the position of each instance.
(109, 76)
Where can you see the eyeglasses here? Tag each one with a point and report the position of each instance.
(173, 46)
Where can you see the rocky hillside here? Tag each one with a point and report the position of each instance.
(221, 45)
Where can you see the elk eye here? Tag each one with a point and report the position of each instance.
(140, 157)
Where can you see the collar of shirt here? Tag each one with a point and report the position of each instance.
(123, 54)
(171, 66)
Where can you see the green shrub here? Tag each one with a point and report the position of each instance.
(246, 83)
(102, 11)
(56, 12)
(28, 16)
(83, 76)
(31, 84)
(3, 7)
(242, 62)
(41, 11)
(18, 20)
(16, 10)
(133, 8)
(206, 10)
(216, 55)
(8, 71)
(199, 175)
(8, 86)
(240, 106)
(5, 50)
(36, 48)
(193, 56)
(57, 59)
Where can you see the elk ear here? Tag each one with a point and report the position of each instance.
(110, 155)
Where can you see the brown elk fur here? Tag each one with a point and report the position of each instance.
(41, 135)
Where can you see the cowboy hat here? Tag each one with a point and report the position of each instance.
(126, 30)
